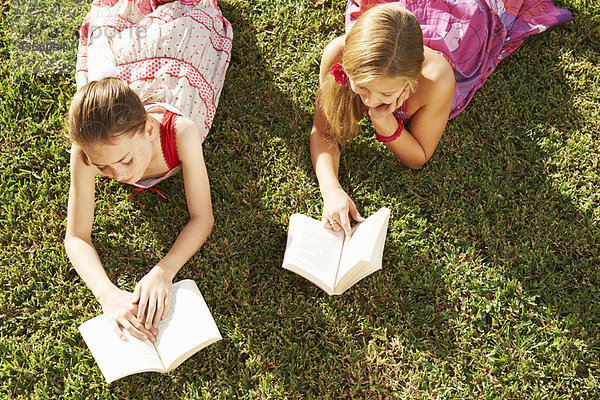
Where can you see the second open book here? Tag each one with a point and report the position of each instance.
(330, 261)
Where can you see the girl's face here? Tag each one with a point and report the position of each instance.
(127, 159)
(380, 91)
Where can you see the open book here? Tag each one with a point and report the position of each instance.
(330, 261)
(187, 328)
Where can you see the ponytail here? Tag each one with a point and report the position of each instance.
(343, 110)
(385, 42)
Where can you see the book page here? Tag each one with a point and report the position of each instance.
(366, 268)
(362, 247)
(313, 250)
(115, 357)
(188, 327)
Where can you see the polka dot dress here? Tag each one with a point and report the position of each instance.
(175, 53)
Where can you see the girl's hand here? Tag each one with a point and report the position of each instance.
(152, 295)
(384, 110)
(336, 207)
(120, 313)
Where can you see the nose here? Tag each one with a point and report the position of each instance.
(117, 173)
(368, 100)
(366, 96)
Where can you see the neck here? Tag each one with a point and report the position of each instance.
(157, 154)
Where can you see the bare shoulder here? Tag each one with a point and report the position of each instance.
(332, 54)
(335, 48)
(437, 75)
(79, 166)
(188, 138)
(185, 127)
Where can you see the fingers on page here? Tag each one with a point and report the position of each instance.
(135, 297)
(355, 214)
(345, 222)
(151, 311)
(335, 225)
(160, 309)
(136, 324)
(136, 333)
(141, 308)
(119, 331)
(164, 315)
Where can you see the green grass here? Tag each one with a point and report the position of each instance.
(490, 286)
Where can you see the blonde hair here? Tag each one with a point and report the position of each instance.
(104, 110)
(385, 42)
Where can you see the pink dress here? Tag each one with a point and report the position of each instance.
(473, 35)
(175, 53)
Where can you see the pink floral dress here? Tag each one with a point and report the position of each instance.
(473, 35)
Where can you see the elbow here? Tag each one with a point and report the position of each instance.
(417, 164)
(72, 241)
(203, 225)
(68, 241)
(66, 244)
(412, 159)
(210, 224)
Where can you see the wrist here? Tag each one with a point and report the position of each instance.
(329, 190)
(104, 292)
(166, 272)
(384, 135)
(382, 118)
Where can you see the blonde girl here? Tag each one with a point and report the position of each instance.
(409, 66)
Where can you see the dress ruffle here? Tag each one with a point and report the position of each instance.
(175, 53)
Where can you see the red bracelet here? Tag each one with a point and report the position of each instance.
(396, 134)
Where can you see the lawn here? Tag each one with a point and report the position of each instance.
(490, 287)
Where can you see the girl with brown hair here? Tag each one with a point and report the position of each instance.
(149, 74)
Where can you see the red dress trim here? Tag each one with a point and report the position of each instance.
(167, 139)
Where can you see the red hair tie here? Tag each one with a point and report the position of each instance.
(340, 76)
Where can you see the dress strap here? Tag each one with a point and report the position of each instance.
(137, 190)
(404, 107)
(164, 106)
(167, 139)
(363, 5)
(168, 146)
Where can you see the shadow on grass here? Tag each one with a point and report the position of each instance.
(488, 278)
(258, 161)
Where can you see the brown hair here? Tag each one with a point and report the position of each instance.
(104, 110)
(386, 41)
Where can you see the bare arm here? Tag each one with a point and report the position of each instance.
(154, 290)
(324, 149)
(197, 194)
(115, 303)
(338, 207)
(324, 152)
(416, 146)
(80, 217)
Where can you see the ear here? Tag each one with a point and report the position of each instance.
(152, 128)
(78, 149)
